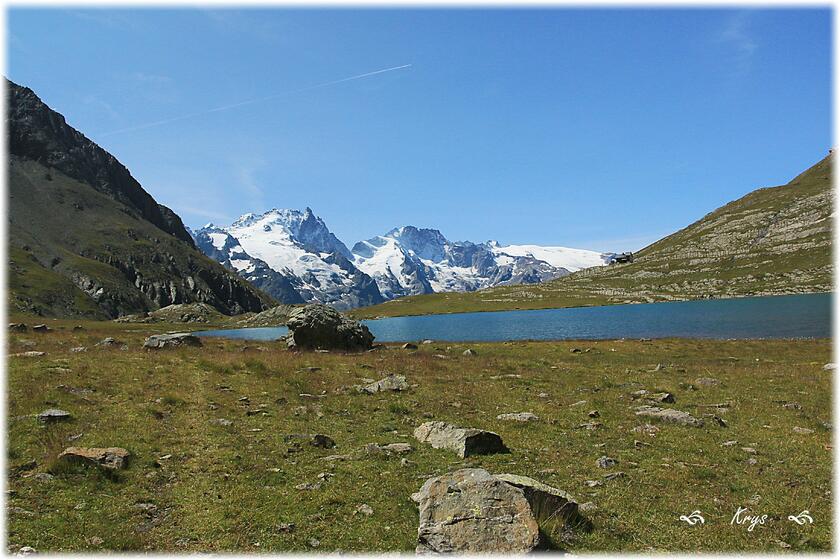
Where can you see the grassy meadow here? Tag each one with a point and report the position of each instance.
(193, 484)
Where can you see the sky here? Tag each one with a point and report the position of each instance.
(601, 129)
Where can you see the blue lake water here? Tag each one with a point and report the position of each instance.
(796, 316)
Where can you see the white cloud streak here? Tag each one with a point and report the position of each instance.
(251, 101)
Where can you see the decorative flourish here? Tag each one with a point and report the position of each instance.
(801, 519)
(694, 518)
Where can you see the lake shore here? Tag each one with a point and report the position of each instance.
(197, 484)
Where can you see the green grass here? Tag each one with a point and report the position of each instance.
(228, 488)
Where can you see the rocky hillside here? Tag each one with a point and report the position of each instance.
(85, 239)
(772, 241)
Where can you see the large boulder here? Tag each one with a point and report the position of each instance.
(172, 340)
(556, 511)
(319, 326)
(471, 511)
(463, 441)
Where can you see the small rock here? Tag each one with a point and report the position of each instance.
(669, 415)
(589, 426)
(107, 342)
(284, 527)
(17, 327)
(706, 381)
(315, 440)
(29, 354)
(749, 450)
(41, 328)
(221, 422)
(26, 551)
(428, 341)
(829, 367)
(587, 507)
(470, 352)
(803, 431)
(575, 350)
(173, 340)
(613, 476)
(729, 443)
(594, 414)
(314, 543)
(605, 462)
(107, 457)
(364, 509)
(592, 483)
(78, 349)
(519, 417)
(390, 383)
(409, 346)
(792, 406)
(53, 415)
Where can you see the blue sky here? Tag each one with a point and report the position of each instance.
(594, 128)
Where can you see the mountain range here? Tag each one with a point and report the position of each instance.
(294, 257)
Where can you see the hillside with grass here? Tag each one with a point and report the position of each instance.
(772, 241)
(85, 239)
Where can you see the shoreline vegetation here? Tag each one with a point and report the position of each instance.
(215, 464)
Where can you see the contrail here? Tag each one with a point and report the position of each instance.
(251, 101)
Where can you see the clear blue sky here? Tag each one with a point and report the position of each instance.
(592, 128)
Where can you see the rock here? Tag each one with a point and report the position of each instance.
(364, 509)
(43, 477)
(471, 511)
(172, 340)
(26, 551)
(107, 342)
(17, 327)
(107, 457)
(575, 350)
(662, 397)
(749, 450)
(554, 509)
(470, 352)
(594, 414)
(29, 354)
(389, 449)
(605, 462)
(706, 381)
(463, 441)
(428, 341)
(803, 431)
(221, 422)
(792, 406)
(53, 415)
(669, 415)
(314, 543)
(519, 417)
(41, 328)
(829, 367)
(409, 346)
(591, 426)
(614, 475)
(78, 349)
(315, 440)
(390, 383)
(320, 326)
(587, 507)
(729, 443)
(592, 483)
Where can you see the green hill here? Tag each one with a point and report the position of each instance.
(772, 241)
(86, 240)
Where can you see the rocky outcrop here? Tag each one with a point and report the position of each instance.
(319, 326)
(465, 442)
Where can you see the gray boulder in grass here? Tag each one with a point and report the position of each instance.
(173, 340)
(463, 441)
(319, 326)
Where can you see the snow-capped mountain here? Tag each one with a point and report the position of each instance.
(293, 256)
(409, 261)
(309, 263)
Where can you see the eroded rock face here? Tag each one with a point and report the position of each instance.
(463, 441)
(471, 511)
(171, 340)
(106, 457)
(555, 510)
(319, 326)
(669, 415)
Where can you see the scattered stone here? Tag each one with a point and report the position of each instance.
(53, 415)
(107, 342)
(107, 457)
(706, 381)
(314, 543)
(315, 440)
(463, 441)
(389, 449)
(829, 367)
(613, 476)
(43, 477)
(510, 376)
(640, 444)
(471, 511)
(730, 443)
(364, 509)
(17, 327)
(519, 417)
(575, 350)
(41, 328)
(409, 346)
(390, 383)
(592, 483)
(803, 431)
(638, 394)
(592, 426)
(470, 352)
(594, 414)
(29, 354)
(173, 340)
(79, 349)
(541, 395)
(427, 341)
(587, 507)
(669, 415)
(221, 422)
(792, 406)
(26, 551)
(577, 403)
(749, 450)
(647, 429)
(320, 326)
(440, 356)
(284, 527)
(605, 462)
(662, 397)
